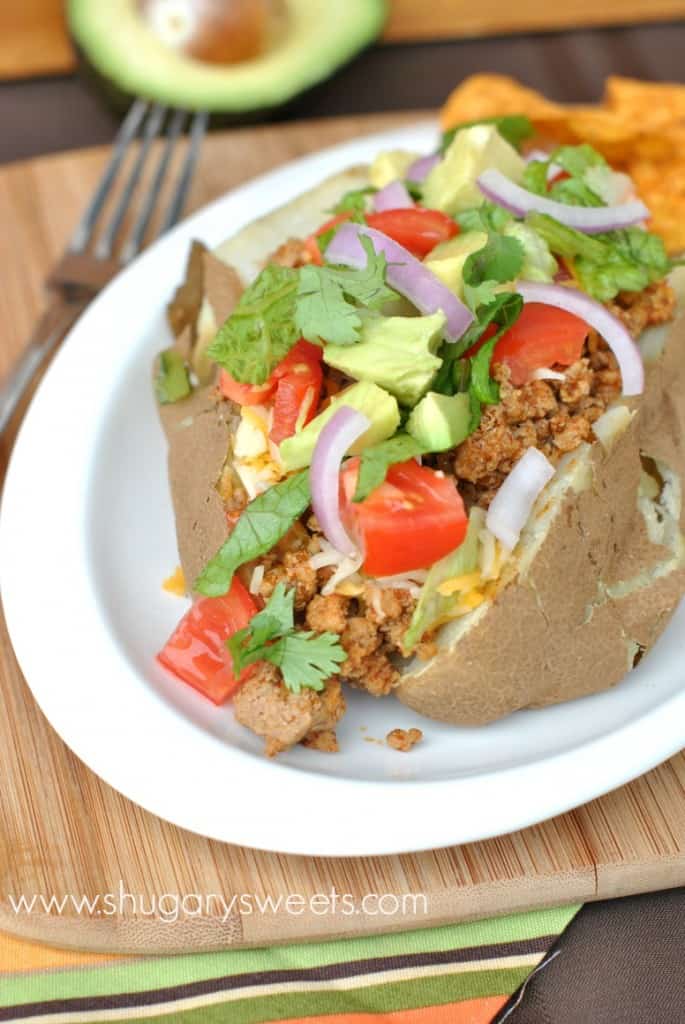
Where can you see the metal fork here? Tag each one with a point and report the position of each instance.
(84, 269)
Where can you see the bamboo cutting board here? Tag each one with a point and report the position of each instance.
(66, 834)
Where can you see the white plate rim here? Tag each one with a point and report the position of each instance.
(485, 805)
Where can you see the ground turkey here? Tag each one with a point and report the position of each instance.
(267, 707)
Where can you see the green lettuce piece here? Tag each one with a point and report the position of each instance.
(172, 382)
(432, 607)
(565, 241)
(634, 260)
(538, 262)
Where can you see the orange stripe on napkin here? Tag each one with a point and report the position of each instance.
(18, 955)
(470, 1011)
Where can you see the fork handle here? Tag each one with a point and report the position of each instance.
(49, 331)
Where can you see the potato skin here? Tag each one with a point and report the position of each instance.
(550, 635)
(553, 633)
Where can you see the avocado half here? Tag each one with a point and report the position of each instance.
(316, 37)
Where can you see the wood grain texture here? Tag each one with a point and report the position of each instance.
(35, 41)
(63, 831)
(451, 19)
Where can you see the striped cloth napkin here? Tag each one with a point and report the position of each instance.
(458, 974)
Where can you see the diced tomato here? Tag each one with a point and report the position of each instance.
(417, 229)
(312, 246)
(413, 519)
(196, 651)
(302, 363)
(302, 352)
(299, 379)
(245, 394)
(542, 336)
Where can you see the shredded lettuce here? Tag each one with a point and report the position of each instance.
(432, 607)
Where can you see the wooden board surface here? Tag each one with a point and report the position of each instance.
(64, 833)
(34, 37)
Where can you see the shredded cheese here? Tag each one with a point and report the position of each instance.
(467, 581)
(176, 583)
(256, 579)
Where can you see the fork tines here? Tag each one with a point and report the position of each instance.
(147, 121)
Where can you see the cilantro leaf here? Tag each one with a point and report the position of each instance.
(514, 128)
(375, 462)
(304, 658)
(261, 329)
(483, 390)
(500, 260)
(457, 373)
(355, 201)
(172, 382)
(265, 520)
(329, 298)
(486, 217)
(277, 618)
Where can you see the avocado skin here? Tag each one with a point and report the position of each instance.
(119, 101)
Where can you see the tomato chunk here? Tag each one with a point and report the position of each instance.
(299, 379)
(295, 387)
(196, 651)
(413, 519)
(417, 229)
(312, 246)
(542, 336)
(245, 394)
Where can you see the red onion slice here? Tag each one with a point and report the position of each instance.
(405, 274)
(511, 506)
(344, 428)
(422, 167)
(590, 219)
(605, 323)
(393, 197)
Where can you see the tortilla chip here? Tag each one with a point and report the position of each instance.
(491, 95)
(650, 104)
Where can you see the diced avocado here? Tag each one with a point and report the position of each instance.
(538, 262)
(440, 422)
(451, 185)
(397, 352)
(381, 408)
(391, 165)
(433, 608)
(170, 53)
(448, 258)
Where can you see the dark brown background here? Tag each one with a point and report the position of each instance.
(48, 114)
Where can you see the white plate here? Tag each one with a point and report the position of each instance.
(86, 538)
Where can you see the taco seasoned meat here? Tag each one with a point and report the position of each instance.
(429, 458)
(284, 718)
